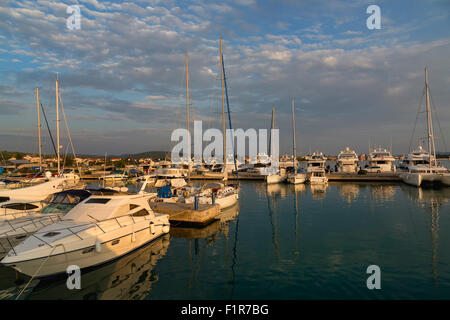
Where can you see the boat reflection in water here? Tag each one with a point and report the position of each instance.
(281, 189)
(129, 278)
(383, 192)
(349, 192)
(431, 200)
(212, 231)
(318, 191)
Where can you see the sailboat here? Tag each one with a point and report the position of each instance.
(279, 175)
(23, 200)
(430, 172)
(295, 177)
(226, 195)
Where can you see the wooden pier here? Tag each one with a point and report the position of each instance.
(184, 215)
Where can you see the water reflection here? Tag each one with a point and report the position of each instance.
(130, 277)
(349, 192)
(431, 200)
(318, 191)
(383, 192)
(212, 231)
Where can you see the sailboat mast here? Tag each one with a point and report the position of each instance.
(39, 128)
(272, 126)
(294, 153)
(187, 106)
(223, 108)
(187, 91)
(57, 124)
(431, 146)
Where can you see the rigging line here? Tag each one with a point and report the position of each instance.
(68, 134)
(229, 121)
(437, 118)
(415, 123)
(48, 127)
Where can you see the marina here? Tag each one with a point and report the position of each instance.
(276, 244)
(240, 152)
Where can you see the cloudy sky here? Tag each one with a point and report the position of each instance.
(122, 75)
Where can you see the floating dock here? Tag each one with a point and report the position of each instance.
(389, 176)
(184, 214)
(242, 176)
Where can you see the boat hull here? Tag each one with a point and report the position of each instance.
(297, 179)
(275, 178)
(227, 201)
(87, 256)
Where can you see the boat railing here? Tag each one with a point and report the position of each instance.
(89, 225)
(4, 208)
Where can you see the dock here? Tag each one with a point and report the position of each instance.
(242, 176)
(389, 176)
(184, 214)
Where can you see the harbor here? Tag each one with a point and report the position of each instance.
(224, 159)
(275, 243)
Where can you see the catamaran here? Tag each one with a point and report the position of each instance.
(102, 228)
(427, 172)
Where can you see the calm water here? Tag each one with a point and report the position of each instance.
(285, 242)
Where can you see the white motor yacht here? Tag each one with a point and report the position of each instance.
(381, 160)
(316, 161)
(347, 161)
(14, 231)
(317, 176)
(15, 203)
(102, 228)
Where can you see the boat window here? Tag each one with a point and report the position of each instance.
(140, 213)
(98, 200)
(51, 234)
(133, 206)
(4, 199)
(87, 250)
(20, 206)
(113, 243)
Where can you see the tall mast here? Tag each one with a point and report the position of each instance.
(39, 128)
(272, 126)
(57, 124)
(223, 108)
(187, 106)
(187, 90)
(431, 146)
(294, 153)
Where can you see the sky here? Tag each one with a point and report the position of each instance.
(123, 81)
